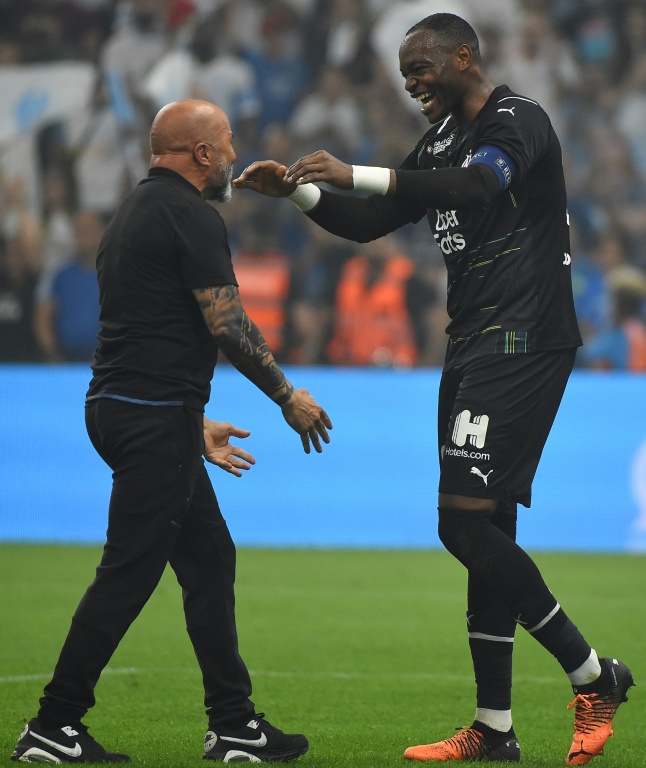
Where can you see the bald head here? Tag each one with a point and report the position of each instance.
(179, 126)
(193, 138)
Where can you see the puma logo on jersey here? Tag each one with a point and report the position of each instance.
(506, 109)
(476, 471)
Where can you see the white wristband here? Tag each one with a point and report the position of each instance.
(370, 179)
(305, 197)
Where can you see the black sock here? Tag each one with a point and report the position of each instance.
(491, 734)
(497, 562)
(491, 628)
(564, 641)
(492, 664)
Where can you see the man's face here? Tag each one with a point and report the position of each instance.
(431, 74)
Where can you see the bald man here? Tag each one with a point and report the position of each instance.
(169, 302)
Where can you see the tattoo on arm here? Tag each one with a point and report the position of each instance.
(241, 340)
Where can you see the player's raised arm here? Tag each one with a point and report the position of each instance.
(352, 217)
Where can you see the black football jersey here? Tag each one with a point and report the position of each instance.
(509, 281)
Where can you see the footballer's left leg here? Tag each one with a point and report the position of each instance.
(595, 705)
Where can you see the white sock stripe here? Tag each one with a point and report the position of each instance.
(493, 638)
(549, 616)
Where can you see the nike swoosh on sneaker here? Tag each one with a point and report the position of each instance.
(248, 742)
(74, 751)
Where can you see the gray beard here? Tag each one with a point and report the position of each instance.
(224, 191)
(225, 194)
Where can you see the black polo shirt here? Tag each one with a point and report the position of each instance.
(154, 345)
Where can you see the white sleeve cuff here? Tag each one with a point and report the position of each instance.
(369, 179)
(305, 197)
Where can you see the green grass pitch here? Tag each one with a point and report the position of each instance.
(365, 652)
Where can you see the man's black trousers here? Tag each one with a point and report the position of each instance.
(162, 510)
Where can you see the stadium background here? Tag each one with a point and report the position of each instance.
(79, 83)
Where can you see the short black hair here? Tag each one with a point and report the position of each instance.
(451, 28)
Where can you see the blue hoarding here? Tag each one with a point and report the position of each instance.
(374, 486)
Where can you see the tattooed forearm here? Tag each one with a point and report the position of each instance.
(254, 359)
(241, 340)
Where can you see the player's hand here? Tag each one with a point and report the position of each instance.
(321, 166)
(219, 451)
(305, 416)
(266, 177)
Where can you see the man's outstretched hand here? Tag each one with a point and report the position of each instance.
(219, 451)
(321, 166)
(305, 416)
(266, 177)
(276, 180)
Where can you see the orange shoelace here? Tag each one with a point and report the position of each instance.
(592, 711)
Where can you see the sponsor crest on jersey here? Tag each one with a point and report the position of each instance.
(440, 146)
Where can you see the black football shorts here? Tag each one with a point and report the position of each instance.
(494, 415)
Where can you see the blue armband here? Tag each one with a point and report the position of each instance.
(499, 162)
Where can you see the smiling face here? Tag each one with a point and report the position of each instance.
(434, 73)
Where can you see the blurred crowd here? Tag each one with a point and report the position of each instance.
(295, 76)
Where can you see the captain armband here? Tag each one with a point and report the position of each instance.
(367, 178)
(499, 162)
(305, 197)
